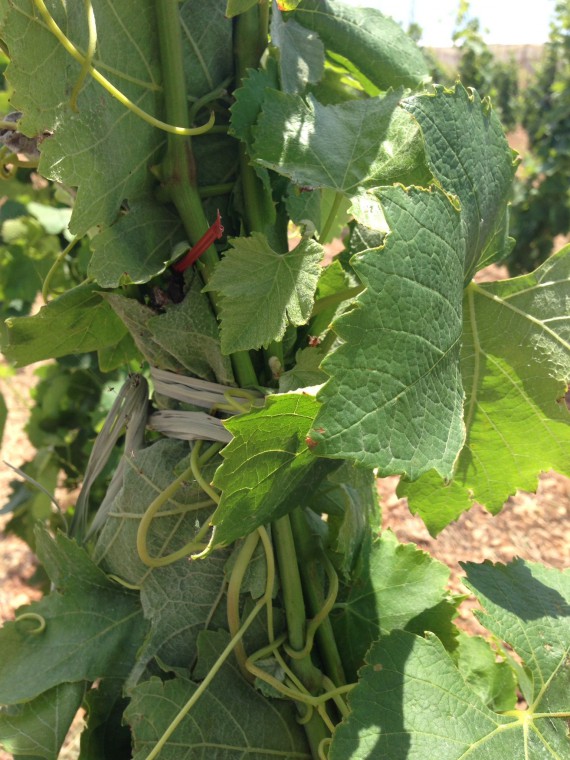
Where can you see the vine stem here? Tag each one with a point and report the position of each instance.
(178, 169)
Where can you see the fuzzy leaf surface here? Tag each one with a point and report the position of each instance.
(231, 720)
(268, 468)
(76, 322)
(392, 584)
(366, 42)
(395, 397)
(39, 727)
(301, 53)
(413, 702)
(177, 598)
(189, 332)
(85, 608)
(264, 291)
(465, 145)
(515, 366)
(349, 147)
(136, 248)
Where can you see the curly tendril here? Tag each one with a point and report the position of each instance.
(86, 65)
(39, 619)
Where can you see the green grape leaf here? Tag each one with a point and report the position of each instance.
(119, 355)
(235, 7)
(264, 291)
(136, 318)
(412, 701)
(76, 322)
(515, 365)
(136, 248)
(395, 399)
(301, 53)
(373, 48)
(249, 101)
(179, 597)
(268, 467)
(392, 584)
(231, 719)
(349, 498)
(350, 147)
(493, 681)
(462, 159)
(306, 371)
(39, 727)
(189, 332)
(86, 607)
(102, 132)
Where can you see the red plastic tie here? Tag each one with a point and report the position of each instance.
(213, 233)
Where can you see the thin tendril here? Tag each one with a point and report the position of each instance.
(147, 519)
(232, 603)
(55, 266)
(323, 748)
(199, 478)
(88, 60)
(123, 582)
(265, 600)
(68, 45)
(321, 616)
(41, 621)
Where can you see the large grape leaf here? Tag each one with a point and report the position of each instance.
(402, 342)
(395, 397)
(515, 366)
(369, 44)
(102, 148)
(264, 291)
(76, 322)
(349, 147)
(412, 701)
(38, 728)
(231, 719)
(86, 609)
(465, 145)
(268, 469)
(392, 584)
(177, 598)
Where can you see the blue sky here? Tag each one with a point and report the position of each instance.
(509, 22)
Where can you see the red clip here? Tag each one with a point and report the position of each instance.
(214, 233)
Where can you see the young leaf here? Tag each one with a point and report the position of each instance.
(136, 248)
(366, 42)
(350, 147)
(493, 681)
(189, 332)
(306, 371)
(39, 727)
(76, 322)
(136, 318)
(230, 720)
(515, 366)
(395, 397)
(179, 597)
(392, 584)
(412, 701)
(268, 469)
(301, 53)
(86, 607)
(465, 145)
(264, 291)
